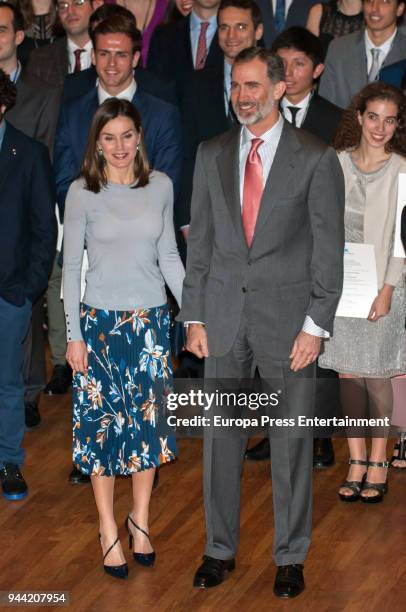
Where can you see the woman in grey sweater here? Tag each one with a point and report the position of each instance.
(118, 334)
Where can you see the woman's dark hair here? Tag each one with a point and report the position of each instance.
(93, 168)
(349, 131)
(28, 14)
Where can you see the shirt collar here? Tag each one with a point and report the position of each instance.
(126, 94)
(73, 46)
(2, 132)
(385, 47)
(195, 21)
(302, 104)
(269, 137)
(14, 75)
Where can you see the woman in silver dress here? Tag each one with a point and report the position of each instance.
(367, 353)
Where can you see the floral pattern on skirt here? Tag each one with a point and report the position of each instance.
(117, 407)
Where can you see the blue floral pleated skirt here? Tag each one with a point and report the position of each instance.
(118, 422)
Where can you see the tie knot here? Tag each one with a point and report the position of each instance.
(253, 154)
(203, 27)
(294, 111)
(78, 52)
(375, 53)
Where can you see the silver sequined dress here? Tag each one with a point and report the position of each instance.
(358, 346)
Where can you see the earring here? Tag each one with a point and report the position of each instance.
(99, 151)
(138, 148)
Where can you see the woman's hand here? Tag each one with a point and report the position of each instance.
(381, 304)
(76, 356)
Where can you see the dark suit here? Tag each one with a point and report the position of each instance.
(297, 16)
(162, 132)
(346, 71)
(28, 237)
(170, 51)
(50, 63)
(36, 110)
(80, 83)
(254, 302)
(393, 74)
(203, 116)
(322, 119)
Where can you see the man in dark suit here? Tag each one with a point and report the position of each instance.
(188, 44)
(281, 14)
(205, 97)
(302, 55)
(28, 236)
(69, 54)
(79, 83)
(35, 114)
(116, 53)
(356, 59)
(264, 277)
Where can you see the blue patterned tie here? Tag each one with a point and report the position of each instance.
(279, 17)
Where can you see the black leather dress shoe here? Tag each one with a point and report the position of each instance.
(259, 452)
(212, 572)
(289, 581)
(323, 453)
(60, 382)
(12, 482)
(76, 477)
(32, 416)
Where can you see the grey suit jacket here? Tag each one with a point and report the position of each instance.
(35, 112)
(345, 73)
(50, 62)
(294, 266)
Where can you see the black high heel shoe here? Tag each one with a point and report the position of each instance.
(145, 559)
(381, 488)
(117, 571)
(354, 485)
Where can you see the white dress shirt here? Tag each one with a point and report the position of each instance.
(127, 94)
(385, 48)
(287, 6)
(85, 57)
(303, 105)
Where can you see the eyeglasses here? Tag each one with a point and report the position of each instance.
(64, 6)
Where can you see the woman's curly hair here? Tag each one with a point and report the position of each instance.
(8, 91)
(349, 130)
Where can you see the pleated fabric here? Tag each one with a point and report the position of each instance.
(118, 405)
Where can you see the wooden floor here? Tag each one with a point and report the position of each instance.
(49, 540)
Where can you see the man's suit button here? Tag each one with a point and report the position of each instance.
(244, 290)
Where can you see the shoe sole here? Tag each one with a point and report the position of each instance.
(347, 499)
(15, 496)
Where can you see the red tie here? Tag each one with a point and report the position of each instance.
(202, 46)
(252, 192)
(77, 53)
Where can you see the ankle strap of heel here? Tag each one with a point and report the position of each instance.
(381, 464)
(358, 461)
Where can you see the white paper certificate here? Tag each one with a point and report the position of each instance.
(360, 281)
(398, 250)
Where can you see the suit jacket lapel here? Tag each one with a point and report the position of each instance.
(279, 177)
(228, 164)
(9, 155)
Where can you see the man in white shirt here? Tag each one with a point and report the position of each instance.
(355, 60)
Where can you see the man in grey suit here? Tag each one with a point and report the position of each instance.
(355, 60)
(263, 280)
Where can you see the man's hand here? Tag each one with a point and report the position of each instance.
(76, 356)
(196, 340)
(185, 232)
(306, 349)
(381, 304)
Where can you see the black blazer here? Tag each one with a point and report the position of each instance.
(170, 51)
(27, 218)
(80, 83)
(322, 118)
(50, 63)
(203, 116)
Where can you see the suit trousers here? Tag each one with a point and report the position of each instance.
(291, 455)
(34, 370)
(56, 316)
(14, 326)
